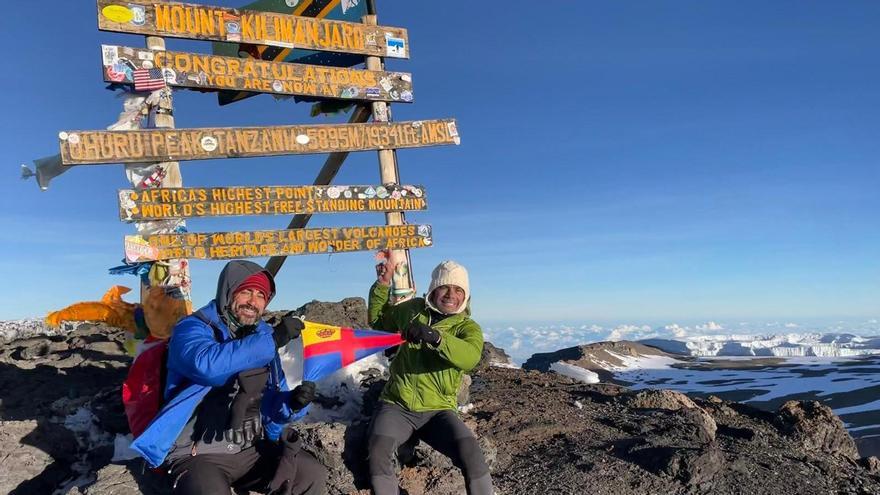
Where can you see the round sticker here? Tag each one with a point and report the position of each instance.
(277, 86)
(117, 13)
(62, 136)
(302, 139)
(209, 143)
(291, 3)
(73, 138)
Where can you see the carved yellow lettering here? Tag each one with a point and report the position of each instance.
(247, 27)
(249, 69)
(206, 22)
(346, 35)
(162, 17)
(178, 24)
(284, 29)
(336, 39)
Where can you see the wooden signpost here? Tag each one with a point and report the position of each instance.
(230, 245)
(165, 203)
(93, 147)
(193, 70)
(162, 204)
(203, 22)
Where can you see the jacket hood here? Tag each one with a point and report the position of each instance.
(449, 273)
(233, 274)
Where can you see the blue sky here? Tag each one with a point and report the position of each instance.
(620, 161)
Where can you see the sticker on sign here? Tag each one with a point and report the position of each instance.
(395, 47)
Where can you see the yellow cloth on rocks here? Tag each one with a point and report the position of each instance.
(111, 309)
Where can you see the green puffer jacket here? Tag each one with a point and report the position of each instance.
(424, 377)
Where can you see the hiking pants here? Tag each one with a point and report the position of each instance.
(442, 430)
(252, 468)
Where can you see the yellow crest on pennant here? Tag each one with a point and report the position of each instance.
(315, 333)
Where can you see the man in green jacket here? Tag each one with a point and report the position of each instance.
(443, 342)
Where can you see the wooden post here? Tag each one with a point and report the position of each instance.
(325, 176)
(164, 119)
(403, 284)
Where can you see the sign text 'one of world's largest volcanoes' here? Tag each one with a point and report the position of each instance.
(205, 22)
(230, 245)
(158, 145)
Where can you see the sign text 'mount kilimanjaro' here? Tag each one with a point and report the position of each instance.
(230, 245)
(124, 64)
(159, 145)
(205, 22)
(167, 203)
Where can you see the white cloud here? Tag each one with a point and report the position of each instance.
(709, 327)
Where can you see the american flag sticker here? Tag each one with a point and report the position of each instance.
(148, 79)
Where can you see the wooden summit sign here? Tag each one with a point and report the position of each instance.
(229, 245)
(194, 70)
(159, 145)
(166, 203)
(204, 22)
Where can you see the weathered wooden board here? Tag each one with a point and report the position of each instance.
(228, 245)
(205, 22)
(196, 70)
(158, 145)
(167, 203)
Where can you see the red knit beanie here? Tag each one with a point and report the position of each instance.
(258, 281)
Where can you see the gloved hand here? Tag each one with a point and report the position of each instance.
(247, 401)
(286, 330)
(302, 395)
(282, 482)
(418, 333)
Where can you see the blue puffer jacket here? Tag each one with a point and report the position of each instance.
(197, 362)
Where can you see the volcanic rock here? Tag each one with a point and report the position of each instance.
(540, 432)
(599, 357)
(817, 428)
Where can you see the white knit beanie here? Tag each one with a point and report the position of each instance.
(449, 273)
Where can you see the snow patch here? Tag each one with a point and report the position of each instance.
(32, 327)
(575, 372)
(122, 448)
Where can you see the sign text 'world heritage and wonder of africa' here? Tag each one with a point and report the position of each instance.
(230, 245)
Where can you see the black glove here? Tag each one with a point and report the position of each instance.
(250, 391)
(302, 395)
(282, 482)
(419, 332)
(286, 330)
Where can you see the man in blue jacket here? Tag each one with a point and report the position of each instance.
(227, 403)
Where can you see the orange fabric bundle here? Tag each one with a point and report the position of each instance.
(111, 310)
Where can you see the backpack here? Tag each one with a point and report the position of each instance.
(143, 391)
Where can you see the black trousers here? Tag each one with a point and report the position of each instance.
(250, 469)
(442, 430)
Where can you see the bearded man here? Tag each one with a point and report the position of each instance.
(227, 404)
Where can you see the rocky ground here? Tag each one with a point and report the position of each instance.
(541, 432)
